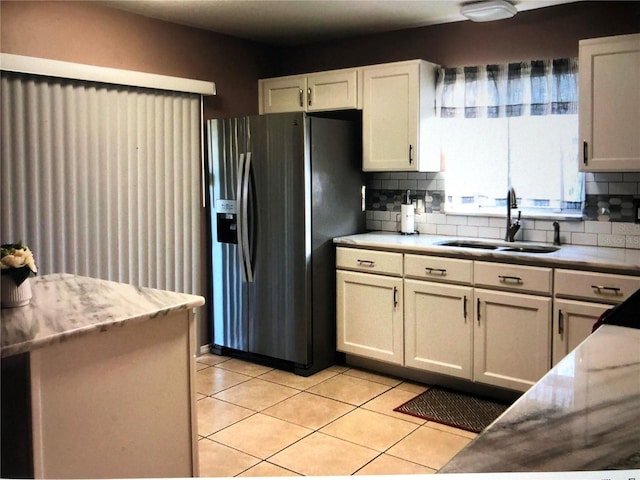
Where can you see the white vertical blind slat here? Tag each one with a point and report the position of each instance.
(102, 180)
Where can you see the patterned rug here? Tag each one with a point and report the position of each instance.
(453, 408)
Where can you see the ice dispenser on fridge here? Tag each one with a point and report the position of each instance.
(226, 220)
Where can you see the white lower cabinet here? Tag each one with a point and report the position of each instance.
(573, 322)
(512, 338)
(370, 316)
(438, 322)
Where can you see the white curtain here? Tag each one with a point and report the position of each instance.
(103, 180)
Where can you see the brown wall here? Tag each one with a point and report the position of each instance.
(550, 32)
(88, 33)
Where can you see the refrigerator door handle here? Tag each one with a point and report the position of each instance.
(244, 221)
(239, 212)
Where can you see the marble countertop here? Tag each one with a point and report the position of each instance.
(603, 259)
(65, 306)
(581, 416)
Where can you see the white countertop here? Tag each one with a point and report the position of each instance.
(603, 259)
(582, 415)
(65, 306)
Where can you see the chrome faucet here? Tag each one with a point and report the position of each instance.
(512, 228)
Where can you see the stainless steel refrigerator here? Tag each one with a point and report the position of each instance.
(280, 188)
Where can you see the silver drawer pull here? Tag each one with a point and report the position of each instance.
(602, 289)
(367, 263)
(436, 271)
(510, 279)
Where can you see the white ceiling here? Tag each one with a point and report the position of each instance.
(291, 22)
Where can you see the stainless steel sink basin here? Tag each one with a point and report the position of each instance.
(499, 246)
(531, 249)
(468, 244)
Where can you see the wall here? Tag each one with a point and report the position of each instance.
(93, 34)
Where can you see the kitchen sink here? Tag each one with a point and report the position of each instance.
(499, 246)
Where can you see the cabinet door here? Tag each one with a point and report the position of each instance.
(439, 327)
(369, 316)
(610, 103)
(283, 94)
(333, 90)
(572, 323)
(390, 117)
(512, 338)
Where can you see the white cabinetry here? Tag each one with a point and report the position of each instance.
(610, 103)
(580, 299)
(370, 305)
(512, 337)
(398, 117)
(438, 317)
(322, 91)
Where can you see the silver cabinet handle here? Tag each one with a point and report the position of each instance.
(309, 96)
(301, 98)
(585, 152)
(464, 308)
(602, 289)
(436, 271)
(510, 278)
(366, 263)
(560, 322)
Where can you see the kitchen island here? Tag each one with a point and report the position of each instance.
(581, 416)
(107, 372)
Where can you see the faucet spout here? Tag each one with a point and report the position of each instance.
(512, 228)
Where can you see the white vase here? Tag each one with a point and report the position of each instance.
(12, 295)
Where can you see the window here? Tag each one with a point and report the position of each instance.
(506, 126)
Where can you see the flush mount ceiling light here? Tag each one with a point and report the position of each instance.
(488, 11)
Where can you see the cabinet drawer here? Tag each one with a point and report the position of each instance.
(513, 277)
(438, 269)
(369, 261)
(602, 287)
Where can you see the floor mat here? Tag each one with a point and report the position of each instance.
(453, 408)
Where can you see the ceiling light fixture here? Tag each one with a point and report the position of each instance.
(488, 11)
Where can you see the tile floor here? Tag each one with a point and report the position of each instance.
(257, 421)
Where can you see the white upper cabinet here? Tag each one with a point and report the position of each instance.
(610, 103)
(322, 91)
(398, 117)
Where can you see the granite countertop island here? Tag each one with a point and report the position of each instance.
(581, 416)
(605, 259)
(98, 381)
(65, 306)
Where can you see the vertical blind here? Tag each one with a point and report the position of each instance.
(102, 180)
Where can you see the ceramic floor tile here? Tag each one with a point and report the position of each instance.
(308, 410)
(455, 431)
(391, 399)
(213, 380)
(243, 367)
(292, 380)
(320, 454)
(220, 461)
(266, 469)
(349, 389)
(260, 435)
(415, 388)
(256, 394)
(429, 447)
(373, 377)
(338, 368)
(211, 359)
(388, 465)
(214, 415)
(369, 429)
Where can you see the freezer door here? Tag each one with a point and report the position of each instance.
(280, 313)
(227, 142)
